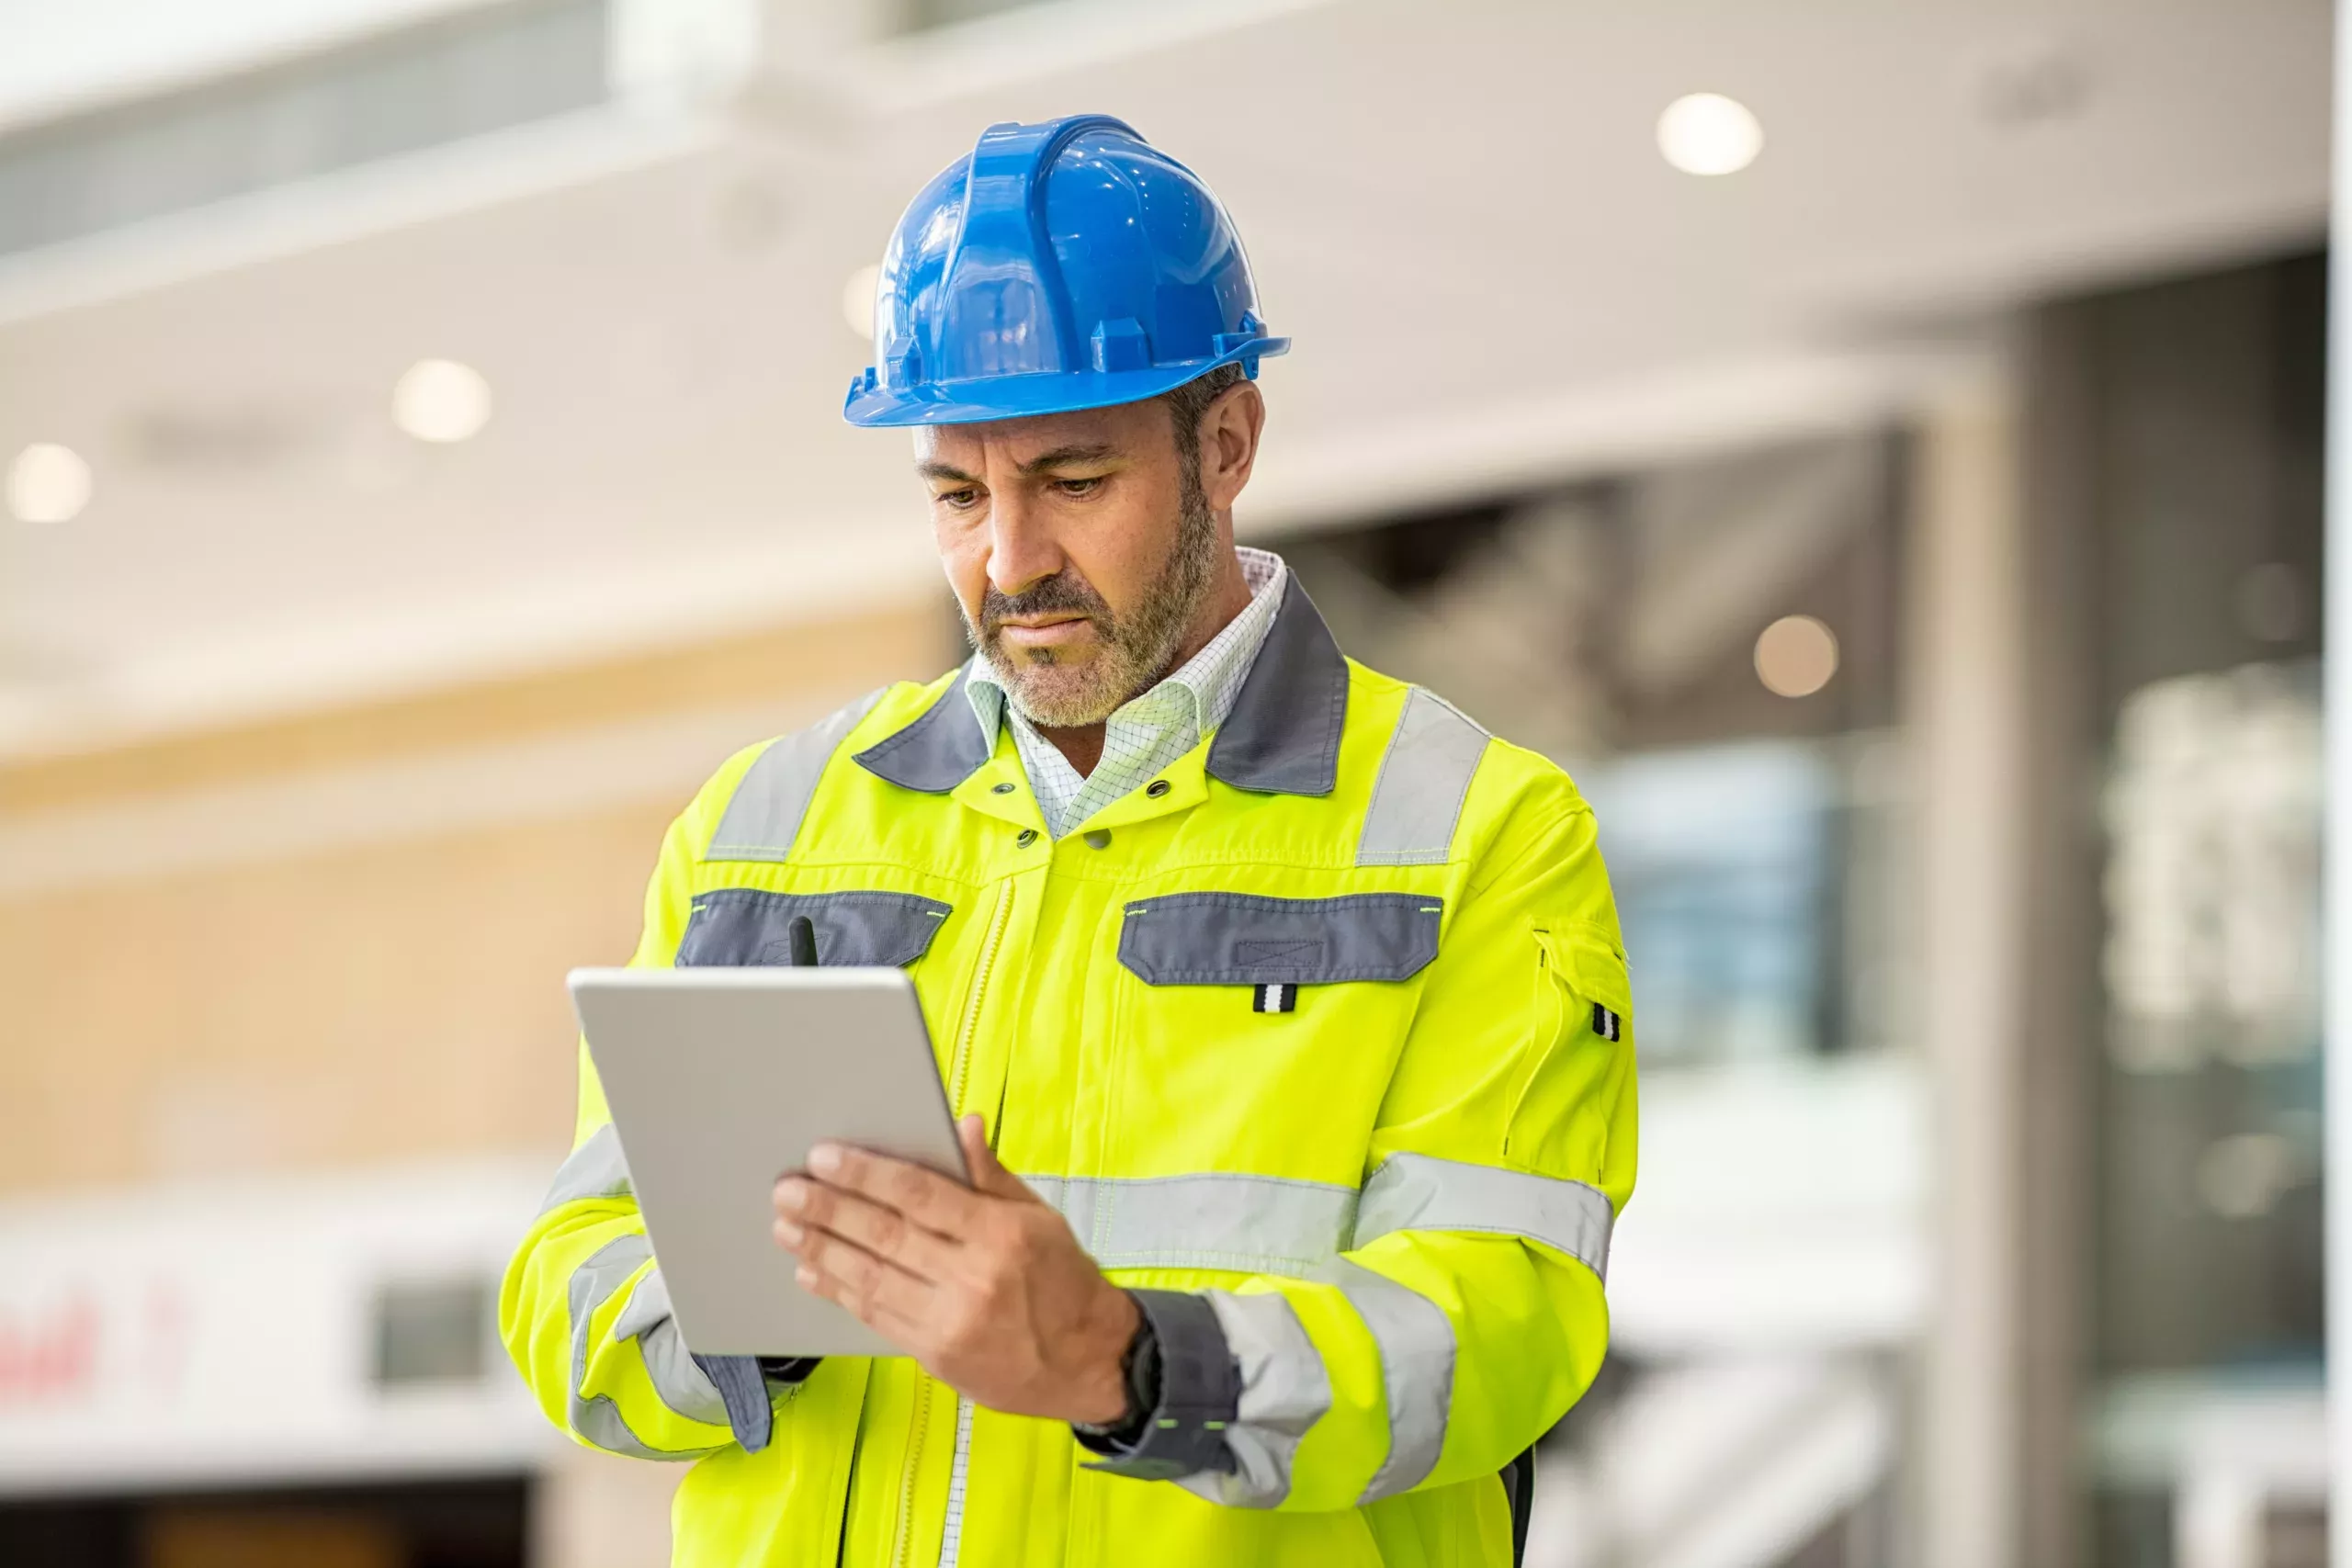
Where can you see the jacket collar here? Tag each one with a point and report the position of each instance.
(938, 750)
(1282, 738)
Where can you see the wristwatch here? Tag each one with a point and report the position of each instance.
(1139, 1370)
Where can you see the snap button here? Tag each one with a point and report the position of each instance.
(1158, 787)
(1099, 839)
(1028, 837)
(1002, 789)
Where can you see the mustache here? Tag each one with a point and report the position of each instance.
(1061, 595)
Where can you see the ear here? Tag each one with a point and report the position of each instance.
(1229, 430)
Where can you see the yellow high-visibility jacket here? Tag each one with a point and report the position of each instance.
(1320, 1041)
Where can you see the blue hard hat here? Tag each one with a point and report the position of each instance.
(1067, 265)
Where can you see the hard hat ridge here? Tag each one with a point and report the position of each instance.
(1061, 265)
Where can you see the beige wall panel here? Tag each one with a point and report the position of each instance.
(354, 964)
(381, 1002)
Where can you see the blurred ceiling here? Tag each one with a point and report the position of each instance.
(1459, 213)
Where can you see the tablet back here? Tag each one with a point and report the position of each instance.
(719, 1081)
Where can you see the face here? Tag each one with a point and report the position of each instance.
(1081, 547)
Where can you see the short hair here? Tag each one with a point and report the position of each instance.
(1188, 403)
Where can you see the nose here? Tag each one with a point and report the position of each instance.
(1021, 549)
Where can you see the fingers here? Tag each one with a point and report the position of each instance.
(882, 1297)
(931, 1201)
(988, 1175)
(806, 1211)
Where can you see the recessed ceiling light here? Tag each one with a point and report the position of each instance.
(1706, 133)
(1796, 655)
(857, 299)
(441, 400)
(48, 483)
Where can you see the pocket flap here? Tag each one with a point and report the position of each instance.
(1238, 939)
(1593, 967)
(742, 927)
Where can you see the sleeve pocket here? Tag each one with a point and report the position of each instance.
(1594, 968)
(1561, 1124)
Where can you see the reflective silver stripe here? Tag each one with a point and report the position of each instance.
(1256, 1225)
(1423, 781)
(596, 1169)
(765, 815)
(595, 1417)
(1415, 1341)
(1423, 1193)
(684, 1386)
(1285, 1390)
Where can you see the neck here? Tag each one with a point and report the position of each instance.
(1082, 743)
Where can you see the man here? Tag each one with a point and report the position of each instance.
(1295, 1002)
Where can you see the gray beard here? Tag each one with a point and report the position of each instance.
(1137, 651)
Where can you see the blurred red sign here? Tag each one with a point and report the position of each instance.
(50, 1354)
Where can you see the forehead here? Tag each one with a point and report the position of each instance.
(1125, 427)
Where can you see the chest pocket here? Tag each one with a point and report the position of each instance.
(1259, 1034)
(1238, 939)
(742, 927)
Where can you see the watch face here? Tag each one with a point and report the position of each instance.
(1139, 1370)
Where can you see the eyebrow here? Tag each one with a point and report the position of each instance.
(1069, 457)
(1059, 458)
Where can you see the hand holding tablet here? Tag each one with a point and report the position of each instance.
(722, 1080)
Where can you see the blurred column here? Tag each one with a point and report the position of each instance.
(2337, 836)
(2056, 928)
(1967, 705)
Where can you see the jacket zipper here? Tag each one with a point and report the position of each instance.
(960, 1064)
(959, 1070)
(902, 1539)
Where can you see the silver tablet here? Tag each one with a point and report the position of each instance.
(720, 1080)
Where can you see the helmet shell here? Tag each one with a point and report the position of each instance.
(1067, 265)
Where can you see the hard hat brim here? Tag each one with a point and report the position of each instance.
(980, 400)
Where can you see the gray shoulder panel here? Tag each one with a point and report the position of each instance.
(764, 818)
(1423, 780)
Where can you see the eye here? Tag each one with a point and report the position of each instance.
(959, 500)
(1079, 487)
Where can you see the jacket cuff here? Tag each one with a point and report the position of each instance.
(1200, 1390)
(744, 1392)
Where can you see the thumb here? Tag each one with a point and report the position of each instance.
(988, 1175)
